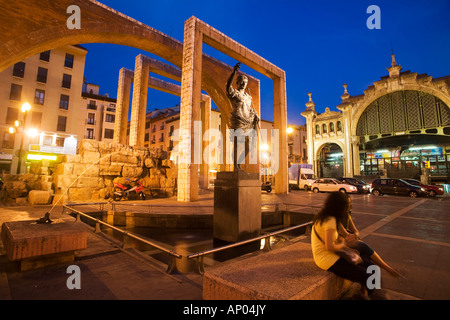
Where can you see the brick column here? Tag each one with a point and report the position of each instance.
(122, 106)
(139, 104)
(189, 111)
(280, 123)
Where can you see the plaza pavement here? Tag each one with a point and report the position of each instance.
(412, 235)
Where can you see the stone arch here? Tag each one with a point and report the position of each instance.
(99, 24)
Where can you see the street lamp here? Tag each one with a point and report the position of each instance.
(25, 108)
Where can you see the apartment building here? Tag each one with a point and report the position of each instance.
(46, 108)
(99, 112)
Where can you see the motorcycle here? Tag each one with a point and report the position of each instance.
(267, 186)
(126, 191)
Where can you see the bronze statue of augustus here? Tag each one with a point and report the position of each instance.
(243, 116)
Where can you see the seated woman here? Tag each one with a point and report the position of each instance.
(350, 233)
(325, 242)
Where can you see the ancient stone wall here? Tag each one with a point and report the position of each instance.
(90, 175)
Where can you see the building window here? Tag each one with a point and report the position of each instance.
(59, 142)
(147, 124)
(109, 134)
(161, 139)
(61, 126)
(68, 62)
(110, 118)
(91, 118)
(36, 119)
(324, 128)
(147, 137)
(339, 126)
(39, 96)
(111, 108)
(42, 75)
(64, 102)
(19, 69)
(16, 92)
(66, 81)
(89, 133)
(317, 129)
(172, 129)
(331, 127)
(45, 56)
(92, 105)
(12, 115)
(8, 140)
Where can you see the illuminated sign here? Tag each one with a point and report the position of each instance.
(40, 157)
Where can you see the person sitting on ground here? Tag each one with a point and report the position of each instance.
(325, 242)
(350, 233)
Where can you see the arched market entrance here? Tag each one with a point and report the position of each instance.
(330, 161)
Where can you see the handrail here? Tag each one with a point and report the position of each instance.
(201, 254)
(171, 266)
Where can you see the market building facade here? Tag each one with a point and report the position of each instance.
(399, 127)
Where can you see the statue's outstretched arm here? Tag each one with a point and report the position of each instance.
(231, 78)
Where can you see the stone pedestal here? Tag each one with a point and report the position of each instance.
(37, 245)
(237, 206)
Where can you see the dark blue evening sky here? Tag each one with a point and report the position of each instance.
(320, 44)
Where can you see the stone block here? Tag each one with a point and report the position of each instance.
(39, 197)
(29, 242)
(110, 170)
(64, 168)
(69, 158)
(237, 206)
(90, 156)
(287, 273)
(88, 145)
(79, 194)
(21, 201)
(132, 171)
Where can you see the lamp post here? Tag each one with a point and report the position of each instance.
(25, 108)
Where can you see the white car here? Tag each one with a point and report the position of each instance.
(332, 185)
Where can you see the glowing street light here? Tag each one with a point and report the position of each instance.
(25, 108)
(289, 130)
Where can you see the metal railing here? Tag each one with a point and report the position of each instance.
(199, 255)
(172, 255)
(267, 246)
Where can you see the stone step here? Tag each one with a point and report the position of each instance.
(287, 273)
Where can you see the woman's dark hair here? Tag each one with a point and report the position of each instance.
(336, 205)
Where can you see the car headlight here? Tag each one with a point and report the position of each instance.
(309, 183)
(422, 189)
(441, 189)
(353, 188)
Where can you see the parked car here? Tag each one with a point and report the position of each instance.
(332, 185)
(396, 186)
(432, 190)
(362, 186)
